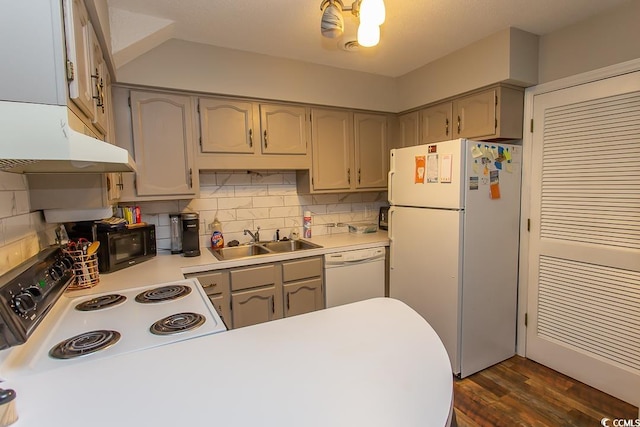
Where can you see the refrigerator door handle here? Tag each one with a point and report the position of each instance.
(390, 187)
(390, 235)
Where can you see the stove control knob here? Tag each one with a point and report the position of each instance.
(24, 302)
(67, 262)
(56, 272)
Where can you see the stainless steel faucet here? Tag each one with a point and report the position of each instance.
(255, 237)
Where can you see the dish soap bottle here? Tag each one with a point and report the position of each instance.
(217, 240)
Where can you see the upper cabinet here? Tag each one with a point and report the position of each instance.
(408, 130)
(226, 126)
(436, 123)
(349, 152)
(237, 134)
(87, 70)
(488, 114)
(158, 130)
(371, 151)
(283, 129)
(332, 141)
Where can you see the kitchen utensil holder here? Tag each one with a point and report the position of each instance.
(85, 268)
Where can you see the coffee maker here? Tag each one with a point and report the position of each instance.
(190, 234)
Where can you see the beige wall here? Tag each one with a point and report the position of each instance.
(509, 55)
(609, 38)
(198, 67)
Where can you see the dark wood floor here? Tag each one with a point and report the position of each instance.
(520, 392)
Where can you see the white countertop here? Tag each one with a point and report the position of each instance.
(371, 363)
(166, 267)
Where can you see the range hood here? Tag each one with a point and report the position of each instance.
(37, 138)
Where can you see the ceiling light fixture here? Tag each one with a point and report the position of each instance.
(371, 14)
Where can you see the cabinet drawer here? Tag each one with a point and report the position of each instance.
(253, 277)
(214, 283)
(302, 269)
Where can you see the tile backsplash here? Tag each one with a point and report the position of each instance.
(22, 233)
(265, 199)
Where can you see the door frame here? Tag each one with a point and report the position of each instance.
(527, 145)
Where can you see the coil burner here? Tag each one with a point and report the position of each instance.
(163, 293)
(98, 303)
(84, 344)
(177, 323)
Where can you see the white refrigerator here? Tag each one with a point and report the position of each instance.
(454, 231)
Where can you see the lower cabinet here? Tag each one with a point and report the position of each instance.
(245, 296)
(303, 297)
(302, 286)
(255, 306)
(256, 294)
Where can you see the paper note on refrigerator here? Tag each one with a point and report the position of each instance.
(494, 184)
(420, 168)
(432, 168)
(447, 164)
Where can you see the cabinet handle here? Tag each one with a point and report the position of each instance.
(446, 126)
(358, 175)
(273, 305)
(210, 285)
(190, 178)
(265, 139)
(99, 90)
(120, 184)
(250, 137)
(288, 305)
(349, 175)
(458, 125)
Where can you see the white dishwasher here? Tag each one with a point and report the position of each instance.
(352, 276)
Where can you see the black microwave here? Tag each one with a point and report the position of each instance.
(124, 247)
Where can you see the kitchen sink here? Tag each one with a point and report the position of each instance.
(262, 248)
(225, 254)
(290, 246)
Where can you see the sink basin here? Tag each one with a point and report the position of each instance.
(289, 246)
(235, 252)
(262, 248)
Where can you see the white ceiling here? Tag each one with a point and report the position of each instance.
(415, 33)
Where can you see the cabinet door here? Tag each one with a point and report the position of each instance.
(409, 130)
(371, 151)
(303, 297)
(476, 115)
(436, 123)
(226, 126)
(222, 305)
(283, 129)
(332, 148)
(255, 306)
(163, 142)
(99, 86)
(77, 32)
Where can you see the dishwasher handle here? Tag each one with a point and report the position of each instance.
(353, 257)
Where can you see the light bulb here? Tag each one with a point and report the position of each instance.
(368, 34)
(372, 12)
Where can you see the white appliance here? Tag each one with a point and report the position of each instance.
(137, 319)
(353, 276)
(454, 233)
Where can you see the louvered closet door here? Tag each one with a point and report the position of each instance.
(584, 277)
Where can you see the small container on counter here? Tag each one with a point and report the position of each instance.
(306, 225)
